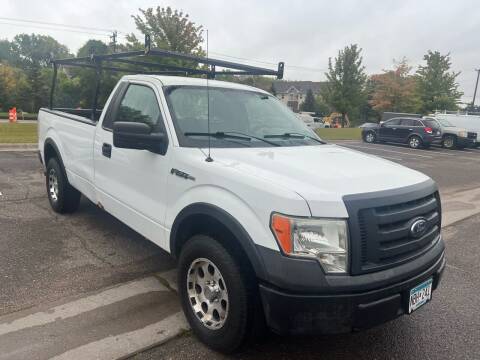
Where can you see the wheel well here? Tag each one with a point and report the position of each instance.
(50, 152)
(445, 135)
(204, 224)
(211, 225)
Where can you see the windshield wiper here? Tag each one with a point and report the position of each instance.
(293, 135)
(230, 135)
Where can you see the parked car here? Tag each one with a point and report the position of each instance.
(270, 225)
(469, 122)
(311, 121)
(415, 132)
(454, 137)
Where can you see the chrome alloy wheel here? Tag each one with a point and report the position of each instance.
(448, 142)
(370, 137)
(207, 293)
(53, 184)
(414, 142)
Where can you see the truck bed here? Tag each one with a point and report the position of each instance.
(73, 135)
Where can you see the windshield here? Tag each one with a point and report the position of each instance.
(238, 118)
(431, 123)
(445, 123)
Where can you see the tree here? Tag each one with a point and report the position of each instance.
(395, 90)
(13, 88)
(32, 53)
(345, 89)
(321, 107)
(309, 103)
(37, 50)
(436, 84)
(169, 29)
(97, 47)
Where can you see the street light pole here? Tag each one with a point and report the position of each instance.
(476, 86)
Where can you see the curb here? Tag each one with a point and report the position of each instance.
(19, 147)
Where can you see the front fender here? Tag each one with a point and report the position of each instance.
(256, 225)
(244, 239)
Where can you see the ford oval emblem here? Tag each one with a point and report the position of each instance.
(418, 228)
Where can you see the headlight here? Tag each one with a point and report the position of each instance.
(463, 134)
(323, 239)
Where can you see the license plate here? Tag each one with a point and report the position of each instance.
(420, 295)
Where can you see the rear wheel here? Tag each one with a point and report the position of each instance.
(217, 293)
(62, 196)
(415, 142)
(370, 137)
(449, 142)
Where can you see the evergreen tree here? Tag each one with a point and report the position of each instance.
(309, 103)
(436, 84)
(345, 89)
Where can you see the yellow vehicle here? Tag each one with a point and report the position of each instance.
(334, 120)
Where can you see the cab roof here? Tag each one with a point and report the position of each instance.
(191, 81)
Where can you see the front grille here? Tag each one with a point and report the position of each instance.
(383, 231)
(472, 135)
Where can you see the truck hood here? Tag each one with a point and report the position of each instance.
(321, 174)
(452, 129)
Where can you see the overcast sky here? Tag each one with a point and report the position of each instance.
(304, 34)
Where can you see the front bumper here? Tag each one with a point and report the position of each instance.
(292, 313)
(465, 142)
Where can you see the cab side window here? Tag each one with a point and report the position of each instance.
(139, 104)
(409, 122)
(393, 122)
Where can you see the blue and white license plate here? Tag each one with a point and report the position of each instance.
(420, 295)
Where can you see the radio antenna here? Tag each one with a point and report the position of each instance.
(209, 158)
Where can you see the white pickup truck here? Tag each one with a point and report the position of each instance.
(270, 225)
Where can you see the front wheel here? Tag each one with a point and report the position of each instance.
(217, 294)
(415, 142)
(449, 142)
(370, 137)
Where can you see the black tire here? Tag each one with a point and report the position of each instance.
(449, 142)
(65, 199)
(370, 137)
(415, 142)
(243, 304)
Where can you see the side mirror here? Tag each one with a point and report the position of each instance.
(382, 123)
(135, 135)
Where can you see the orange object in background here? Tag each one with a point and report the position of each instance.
(12, 115)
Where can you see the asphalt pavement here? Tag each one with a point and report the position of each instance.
(85, 285)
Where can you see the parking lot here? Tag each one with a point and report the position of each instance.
(87, 284)
(451, 169)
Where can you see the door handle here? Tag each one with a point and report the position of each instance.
(107, 150)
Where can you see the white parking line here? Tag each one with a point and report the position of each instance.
(413, 152)
(115, 347)
(388, 157)
(83, 305)
(91, 327)
(385, 150)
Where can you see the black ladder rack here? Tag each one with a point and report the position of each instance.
(139, 64)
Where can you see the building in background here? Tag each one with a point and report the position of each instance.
(293, 93)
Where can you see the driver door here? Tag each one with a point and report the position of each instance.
(131, 183)
(388, 130)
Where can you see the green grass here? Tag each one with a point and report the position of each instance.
(340, 134)
(18, 133)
